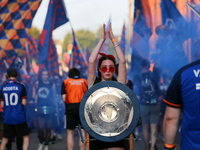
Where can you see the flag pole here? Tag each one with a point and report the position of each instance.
(28, 56)
(5, 63)
(71, 59)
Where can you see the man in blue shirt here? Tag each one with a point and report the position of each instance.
(13, 98)
(183, 96)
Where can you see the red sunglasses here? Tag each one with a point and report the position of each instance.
(111, 69)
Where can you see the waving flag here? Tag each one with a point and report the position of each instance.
(142, 28)
(142, 16)
(30, 50)
(142, 31)
(2, 67)
(123, 40)
(87, 54)
(32, 44)
(5, 63)
(171, 49)
(172, 18)
(15, 22)
(78, 59)
(56, 17)
(105, 46)
(51, 63)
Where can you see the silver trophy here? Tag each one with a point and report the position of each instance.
(109, 111)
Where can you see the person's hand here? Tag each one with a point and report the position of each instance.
(103, 34)
(110, 33)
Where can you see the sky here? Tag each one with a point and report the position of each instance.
(88, 15)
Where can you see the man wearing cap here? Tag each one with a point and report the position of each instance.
(13, 98)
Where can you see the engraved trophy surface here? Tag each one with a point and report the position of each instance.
(109, 111)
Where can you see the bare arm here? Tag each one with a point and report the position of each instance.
(171, 124)
(93, 58)
(24, 101)
(63, 97)
(2, 104)
(121, 58)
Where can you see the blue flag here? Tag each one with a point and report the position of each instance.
(79, 60)
(172, 18)
(87, 54)
(56, 16)
(142, 16)
(123, 39)
(15, 22)
(142, 30)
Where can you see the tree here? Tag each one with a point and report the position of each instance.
(35, 32)
(85, 38)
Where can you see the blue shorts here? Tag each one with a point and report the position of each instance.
(150, 114)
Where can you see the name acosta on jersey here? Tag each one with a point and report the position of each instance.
(11, 88)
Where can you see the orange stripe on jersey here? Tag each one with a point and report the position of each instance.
(24, 97)
(176, 105)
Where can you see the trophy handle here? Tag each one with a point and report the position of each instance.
(79, 128)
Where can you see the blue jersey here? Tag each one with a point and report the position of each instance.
(12, 94)
(184, 93)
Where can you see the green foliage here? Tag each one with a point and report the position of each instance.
(35, 32)
(85, 38)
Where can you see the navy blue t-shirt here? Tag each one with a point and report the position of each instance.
(12, 94)
(184, 93)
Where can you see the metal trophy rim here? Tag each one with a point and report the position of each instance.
(135, 104)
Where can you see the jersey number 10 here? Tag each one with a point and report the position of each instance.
(10, 98)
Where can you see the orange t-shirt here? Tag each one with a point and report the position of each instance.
(75, 89)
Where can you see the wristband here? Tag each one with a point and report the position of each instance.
(113, 40)
(170, 147)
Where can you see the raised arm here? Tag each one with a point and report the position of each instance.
(121, 58)
(93, 58)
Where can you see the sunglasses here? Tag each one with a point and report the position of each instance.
(111, 69)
